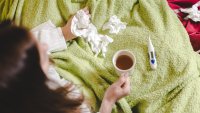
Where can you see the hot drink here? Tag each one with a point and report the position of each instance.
(124, 62)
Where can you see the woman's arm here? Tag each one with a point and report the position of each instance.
(116, 91)
(55, 37)
(51, 35)
(66, 30)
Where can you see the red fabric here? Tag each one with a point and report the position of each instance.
(193, 28)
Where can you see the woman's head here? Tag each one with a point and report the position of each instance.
(18, 55)
(23, 62)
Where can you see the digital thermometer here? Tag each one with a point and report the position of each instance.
(152, 55)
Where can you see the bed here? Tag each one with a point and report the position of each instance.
(174, 87)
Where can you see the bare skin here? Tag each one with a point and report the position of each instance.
(116, 91)
(67, 28)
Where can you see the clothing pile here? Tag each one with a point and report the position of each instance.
(189, 14)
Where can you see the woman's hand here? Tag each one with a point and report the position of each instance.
(67, 28)
(115, 92)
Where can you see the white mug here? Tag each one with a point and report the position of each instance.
(119, 53)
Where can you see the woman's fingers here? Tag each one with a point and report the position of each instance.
(86, 10)
(120, 81)
(126, 86)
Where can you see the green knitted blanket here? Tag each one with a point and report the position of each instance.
(174, 87)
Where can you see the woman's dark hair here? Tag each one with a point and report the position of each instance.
(22, 80)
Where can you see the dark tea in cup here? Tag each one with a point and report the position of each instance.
(124, 62)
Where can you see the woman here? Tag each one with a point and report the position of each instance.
(25, 84)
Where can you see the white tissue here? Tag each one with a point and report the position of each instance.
(83, 18)
(80, 23)
(193, 13)
(82, 27)
(114, 25)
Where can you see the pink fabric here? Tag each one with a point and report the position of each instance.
(193, 28)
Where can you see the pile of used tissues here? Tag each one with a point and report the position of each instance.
(81, 26)
(114, 25)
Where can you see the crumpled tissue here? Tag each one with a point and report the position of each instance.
(114, 25)
(81, 26)
(193, 12)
